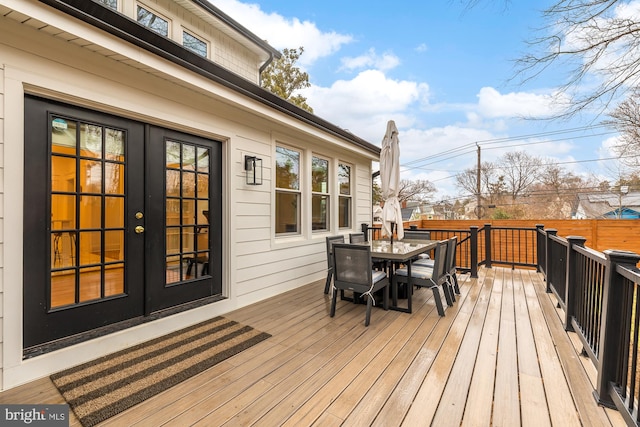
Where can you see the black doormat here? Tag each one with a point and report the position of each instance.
(102, 388)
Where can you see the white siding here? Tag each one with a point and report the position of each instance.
(132, 83)
(2, 108)
(223, 49)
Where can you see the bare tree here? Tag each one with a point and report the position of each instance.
(467, 180)
(416, 191)
(595, 38)
(626, 120)
(520, 171)
(554, 193)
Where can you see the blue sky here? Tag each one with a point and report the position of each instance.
(440, 70)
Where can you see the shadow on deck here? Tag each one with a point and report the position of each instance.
(500, 356)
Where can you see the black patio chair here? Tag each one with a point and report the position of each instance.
(331, 240)
(418, 235)
(353, 271)
(356, 238)
(429, 277)
(450, 264)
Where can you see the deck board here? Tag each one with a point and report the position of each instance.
(533, 400)
(499, 356)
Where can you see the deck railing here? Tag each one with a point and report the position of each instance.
(599, 293)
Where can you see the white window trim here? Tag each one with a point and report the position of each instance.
(349, 196)
(155, 12)
(197, 35)
(302, 221)
(329, 193)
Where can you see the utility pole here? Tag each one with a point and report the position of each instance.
(478, 196)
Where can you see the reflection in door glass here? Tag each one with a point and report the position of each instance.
(87, 226)
(187, 211)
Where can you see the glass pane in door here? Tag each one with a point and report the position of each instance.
(87, 212)
(187, 211)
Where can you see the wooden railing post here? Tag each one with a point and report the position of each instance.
(611, 339)
(539, 246)
(570, 281)
(487, 245)
(473, 242)
(547, 251)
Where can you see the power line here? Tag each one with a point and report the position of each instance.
(569, 162)
(494, 148)
(510, 138)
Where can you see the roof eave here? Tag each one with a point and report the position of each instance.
(127, 29)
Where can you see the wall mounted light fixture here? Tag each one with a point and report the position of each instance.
(253, 168)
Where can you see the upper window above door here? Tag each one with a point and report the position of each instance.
(153, 21)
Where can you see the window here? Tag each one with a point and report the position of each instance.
(344, 201)
(194, 44)
(113, 4)
(287, 191)
(153, 21)
(319, 193)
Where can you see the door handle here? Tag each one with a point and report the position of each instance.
(139, 229)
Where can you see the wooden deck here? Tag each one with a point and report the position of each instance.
(499, 357)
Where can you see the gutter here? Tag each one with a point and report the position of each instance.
(264, 67)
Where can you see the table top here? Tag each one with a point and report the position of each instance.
(400, 250)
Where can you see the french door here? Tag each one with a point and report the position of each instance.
(121, 222)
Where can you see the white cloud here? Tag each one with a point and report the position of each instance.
(281, 32)
(493, 104)
(371, 59)
(606, 149)
(365, 103)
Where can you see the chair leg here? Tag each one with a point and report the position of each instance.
(447, 293)
(327, 285)
(455, 283)
(368, 316)
(385, 297)
(451, 291)
(190, 263)
(436, 297)
(333, 302)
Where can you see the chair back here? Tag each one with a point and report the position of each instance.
(356, 238)
(417, 235)
(352, 266)
(439, 275)
(450, 263)
(331, 240)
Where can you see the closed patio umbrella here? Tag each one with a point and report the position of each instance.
(390, 182)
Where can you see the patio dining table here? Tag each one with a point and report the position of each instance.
(403, 252)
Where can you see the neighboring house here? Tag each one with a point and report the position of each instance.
(407, 213)
(608, 206)
(126, 207)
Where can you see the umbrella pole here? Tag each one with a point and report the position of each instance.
(393, 224)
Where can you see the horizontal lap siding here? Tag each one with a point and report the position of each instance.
(256, 265)
(264, 263)
(2, 101)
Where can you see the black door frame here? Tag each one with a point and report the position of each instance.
(45, 329)
(159, 296)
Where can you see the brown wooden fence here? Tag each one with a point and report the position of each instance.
(601, 234)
